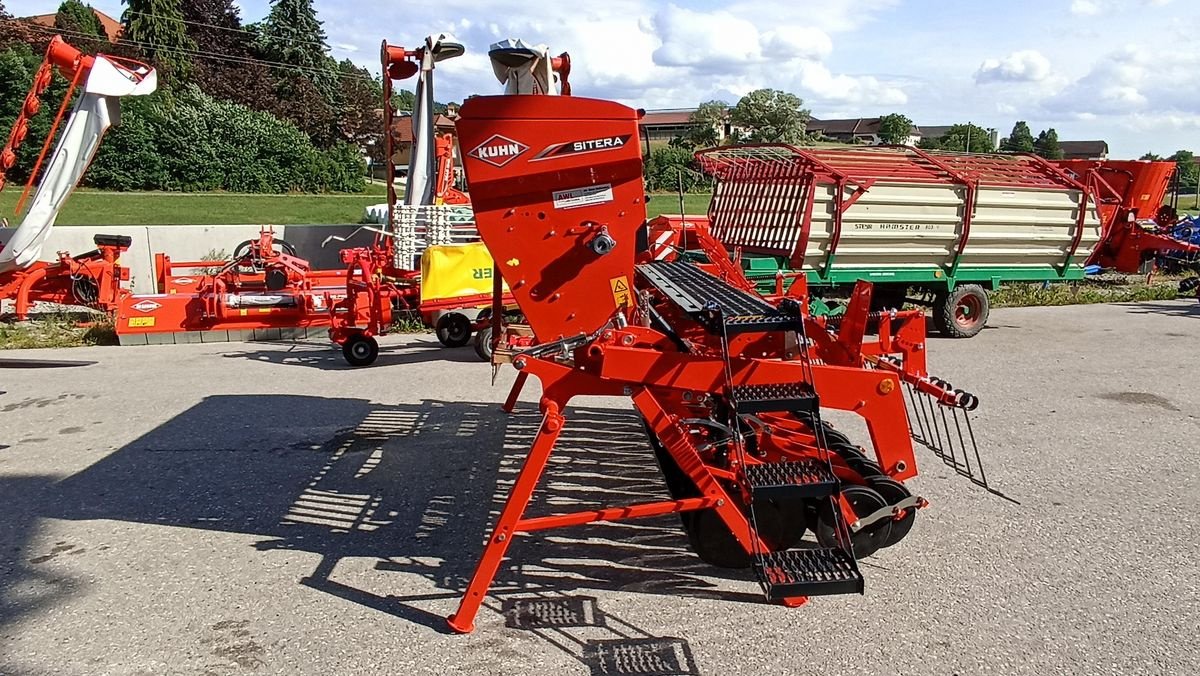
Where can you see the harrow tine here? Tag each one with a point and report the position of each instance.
(946, 430)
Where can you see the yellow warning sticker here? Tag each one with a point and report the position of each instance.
(620, 291)
(141, 322)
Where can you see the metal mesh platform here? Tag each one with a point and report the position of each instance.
(808, 478)
(776, 397)
(703, 295)
(808, 572)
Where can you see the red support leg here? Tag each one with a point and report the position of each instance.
(515, 392)
(463, 621)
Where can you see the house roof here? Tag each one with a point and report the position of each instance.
(112, 27)
(402, 130)
(1084, 148)
(934, 131)
(867, 126)
(846, 126)
(667, 117)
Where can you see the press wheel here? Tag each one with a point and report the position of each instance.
(864, 502)
(780, 526)
(893, 492)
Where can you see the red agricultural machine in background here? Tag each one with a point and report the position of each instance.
(93, 279)
(731, 386)
(1130, 196)
(425, 260)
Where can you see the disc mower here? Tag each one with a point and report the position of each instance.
(731, 386)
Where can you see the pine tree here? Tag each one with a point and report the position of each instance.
(156, 28)
(1047, 145)
(75, 17)
(1020, 140)
(293, 35)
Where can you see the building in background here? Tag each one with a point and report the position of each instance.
(1084, 150)
(112, 27)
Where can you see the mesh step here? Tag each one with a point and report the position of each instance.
(807, 478)
(775, 397)
(700, 295)
(808, 572)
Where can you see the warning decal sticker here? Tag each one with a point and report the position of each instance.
(583, 197)
(622, 296)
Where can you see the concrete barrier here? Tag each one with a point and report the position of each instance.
(195, 242)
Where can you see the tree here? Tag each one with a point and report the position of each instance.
(771, 116)
(1185, 166)
(895, 129)
(300, 101)
(1020, 140)
(707, 121)
(156, 28)
(1151, 157)
(961, 138)
(1047, 145)
(216, 27)
(75, 17)
(293, 35)
(12, 32)
(359, 97)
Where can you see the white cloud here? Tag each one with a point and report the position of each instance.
(1027, 65)
(1084, 8)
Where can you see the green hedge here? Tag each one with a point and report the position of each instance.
(195, 143)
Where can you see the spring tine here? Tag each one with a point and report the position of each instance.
(916, 426)
(926, 423)
(951, 452)
(970, 474)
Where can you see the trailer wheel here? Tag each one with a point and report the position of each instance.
(360, 350)
(483, 344)
(961, 313)
(454, 329)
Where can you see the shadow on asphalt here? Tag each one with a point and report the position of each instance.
(1190, 309)
(328, 357)
(413, 486)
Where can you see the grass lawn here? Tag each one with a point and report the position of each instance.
(87, 207)
(693, 204)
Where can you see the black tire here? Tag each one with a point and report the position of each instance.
(454, 329)
(360, 350)
(483, 344)
(961, 313)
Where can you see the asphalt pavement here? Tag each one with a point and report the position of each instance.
(264, 509)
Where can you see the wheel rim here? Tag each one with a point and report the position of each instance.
(361, 350)
(968, 311)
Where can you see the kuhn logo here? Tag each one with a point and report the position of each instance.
(498, 150)
(185, 280)
(146, 306)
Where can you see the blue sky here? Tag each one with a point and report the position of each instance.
(1126, 71)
